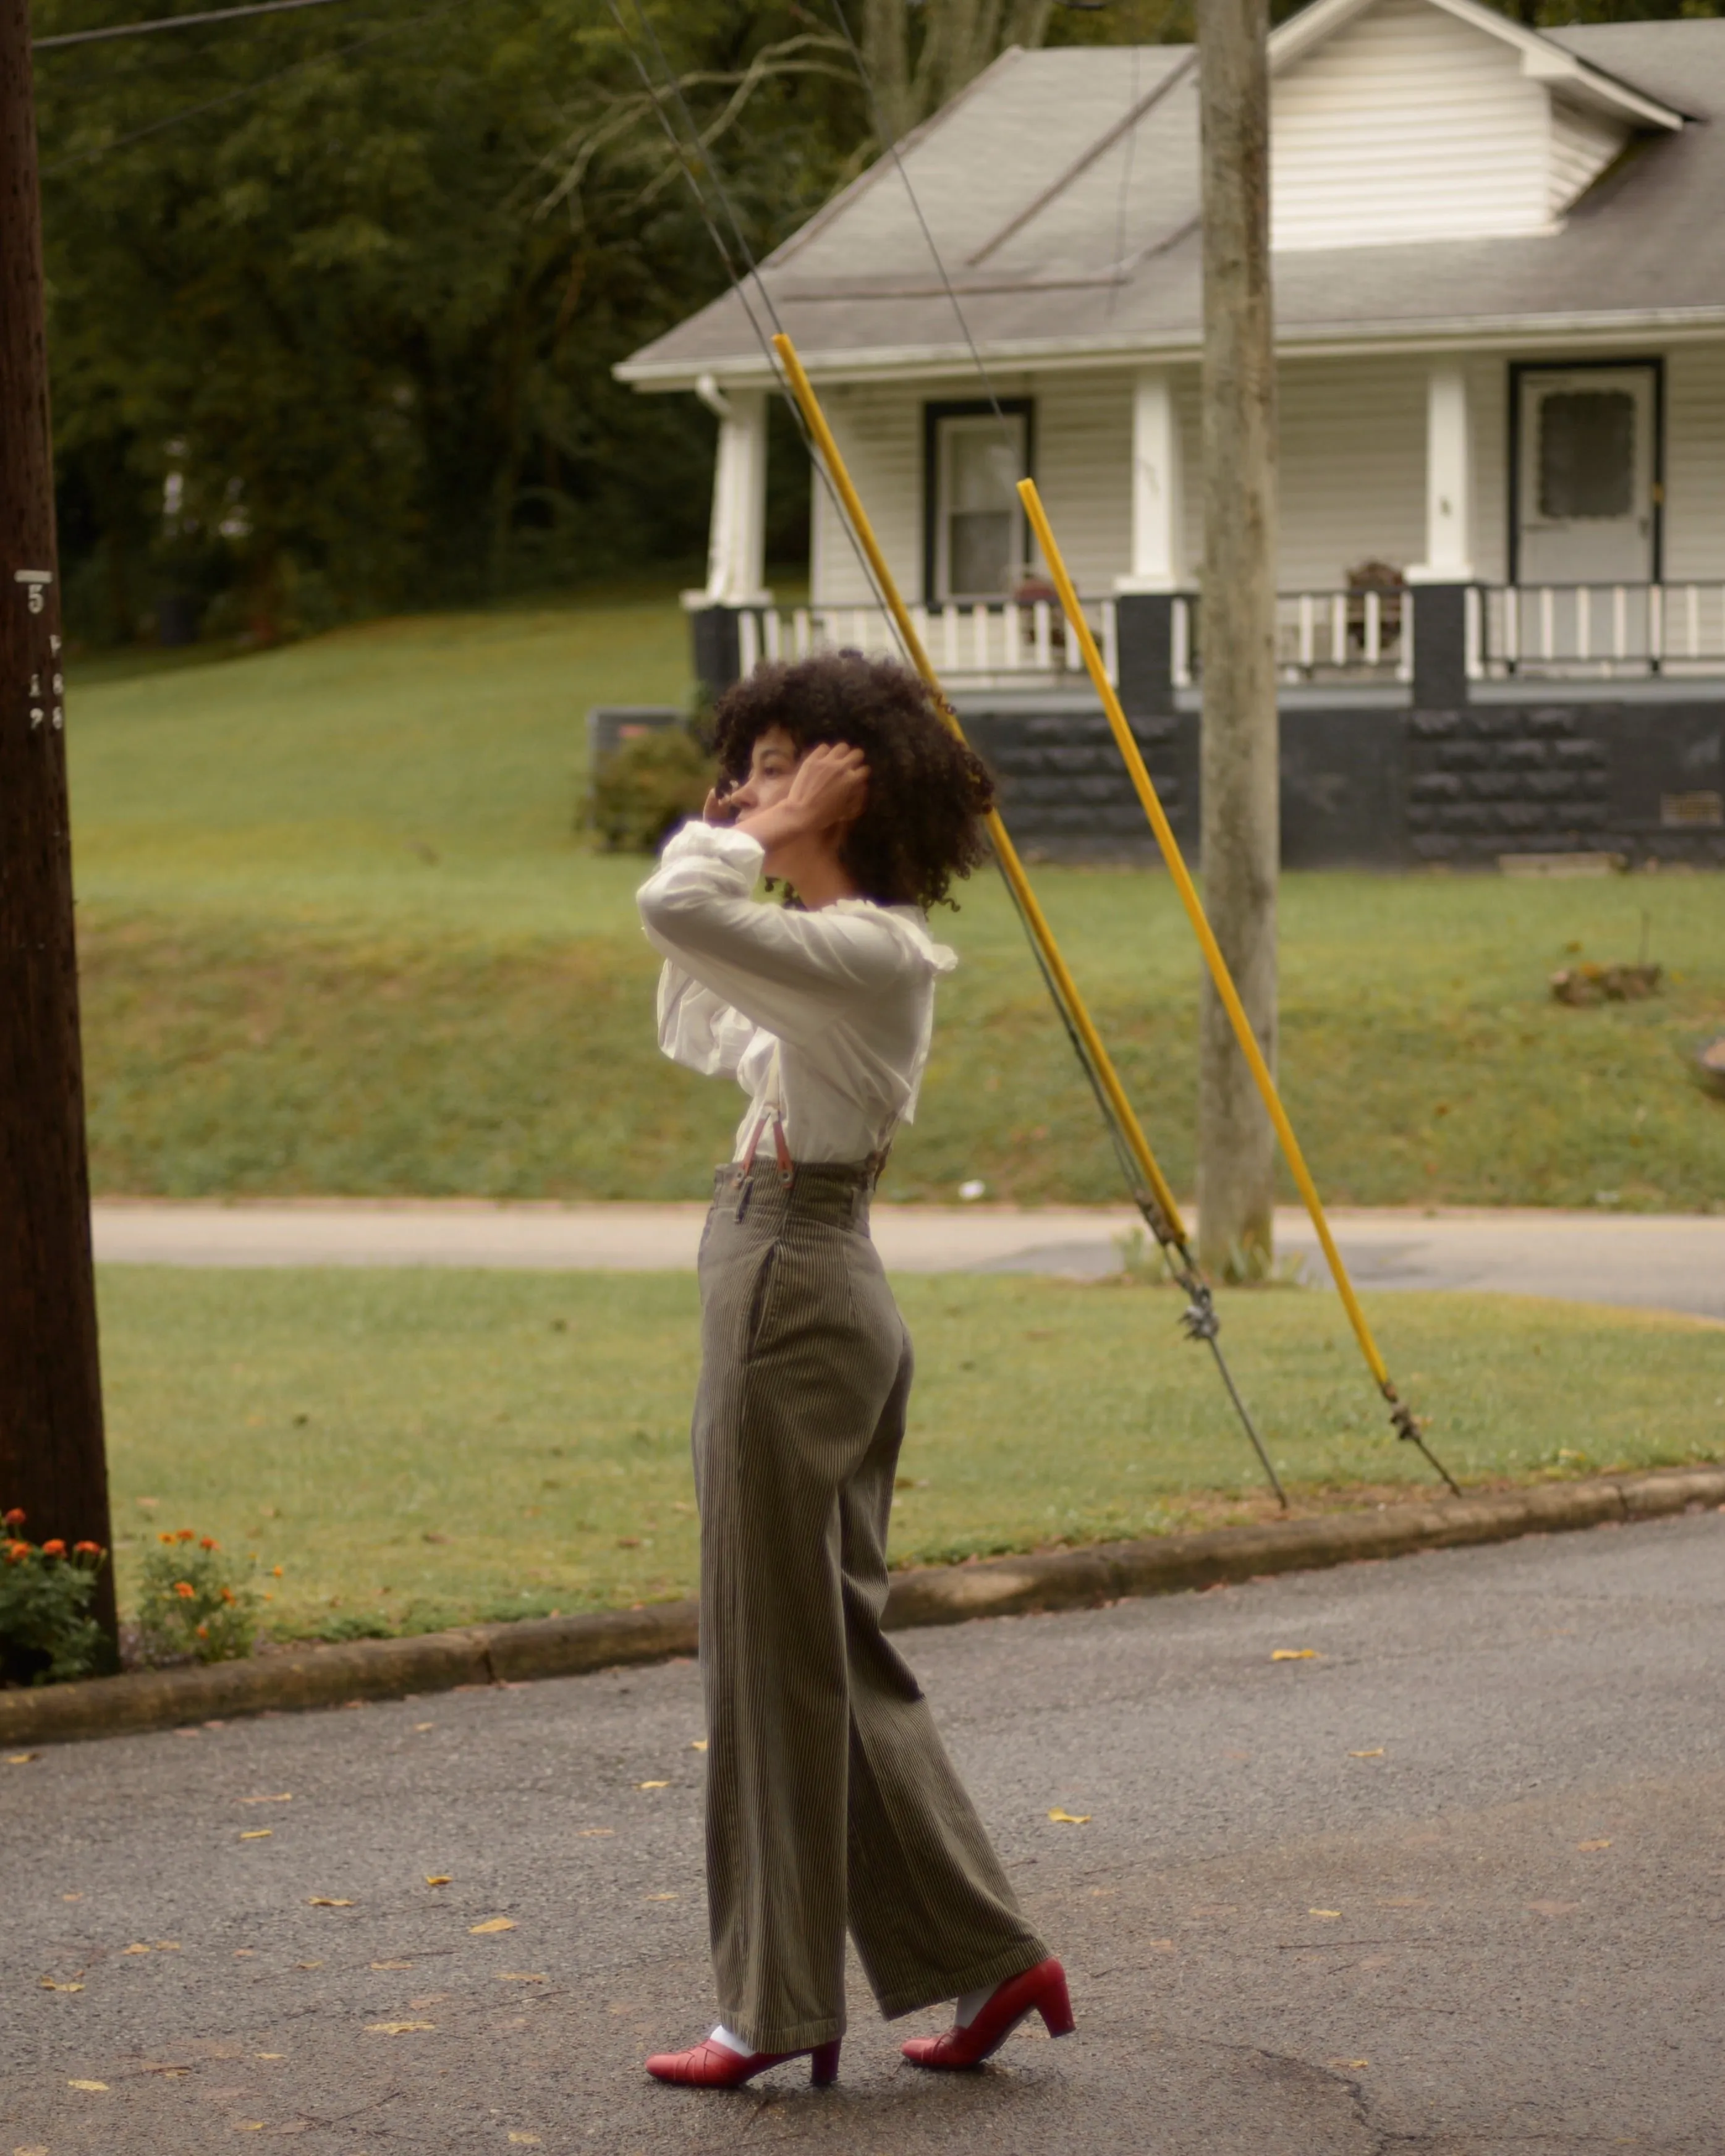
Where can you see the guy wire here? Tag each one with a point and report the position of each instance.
(1199, 1321)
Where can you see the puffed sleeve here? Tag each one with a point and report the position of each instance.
(793, 973)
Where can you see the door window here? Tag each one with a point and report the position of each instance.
(1585, 484)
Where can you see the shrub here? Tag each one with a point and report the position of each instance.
(647, 786)
(192, 1603)
(47, 1634)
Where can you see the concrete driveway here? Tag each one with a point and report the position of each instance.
(1655, 1261)
(1455, 1883)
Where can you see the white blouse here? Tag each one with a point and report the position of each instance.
(825, 1015)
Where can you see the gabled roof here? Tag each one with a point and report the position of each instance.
(1061, 190)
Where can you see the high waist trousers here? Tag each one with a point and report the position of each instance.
(830, 1800)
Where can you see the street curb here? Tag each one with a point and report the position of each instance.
(314, 1675)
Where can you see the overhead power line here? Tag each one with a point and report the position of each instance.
(172, 22)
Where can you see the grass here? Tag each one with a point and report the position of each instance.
(419, 1448)
(339, 934)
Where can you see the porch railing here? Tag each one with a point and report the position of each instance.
(974, 645)
(1578, 631)
(1339, 636)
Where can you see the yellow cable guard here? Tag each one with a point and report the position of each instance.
(1201, 927)
(809, 404)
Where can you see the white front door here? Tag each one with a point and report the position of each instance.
(1584, 485)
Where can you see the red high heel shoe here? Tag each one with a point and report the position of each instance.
(1040, 1990)
(716, 2065)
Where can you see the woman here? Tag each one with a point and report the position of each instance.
(831, 1801)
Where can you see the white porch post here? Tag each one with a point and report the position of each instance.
(1158, 503)
(735, 565)
(1449, 480)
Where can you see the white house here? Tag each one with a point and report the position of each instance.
(1499, 264)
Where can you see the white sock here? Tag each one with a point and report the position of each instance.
(721, 2034)
(973, 2004)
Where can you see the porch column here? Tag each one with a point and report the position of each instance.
(1144, 596)
(1440, 606)
(1449, 480)
(735, 565)
(1158, 507)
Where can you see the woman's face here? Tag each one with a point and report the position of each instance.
(772, 765)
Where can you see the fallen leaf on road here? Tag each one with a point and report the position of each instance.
(592, 1833)
(92, 2086)
(420, 1727)
(392, 1965)
(517, 1976)
(48, 1984)
(524, 2140)
(1376, 1753)
(168, 1946)
(665, 1898)
(21, 1759)
(269, 2054)
(699, 1744)
(1352, 2066)
(285, 1798)
(437, 1878)
(1161, 1946)
(258, 1834)
(494, 1924)
(1069, 1819)
(1590, 1846)
(1323, 1912)
(652, 1785)
(327, 1902)
(396, 2028)
(137, 1947)
(308, 1964)
(248, 2125)
(1294, 1655)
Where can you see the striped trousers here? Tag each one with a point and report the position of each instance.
(831, 1801)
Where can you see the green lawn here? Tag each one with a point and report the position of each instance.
(339, 934)
(418, 1448)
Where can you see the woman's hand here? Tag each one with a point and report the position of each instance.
(719, 808)
(830, 787)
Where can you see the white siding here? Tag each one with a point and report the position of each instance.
(1695, 464)
(1352, 469)
(1488, 416)
(880, 435)
(1407, 124)
(1583, 143)
(1084, 456)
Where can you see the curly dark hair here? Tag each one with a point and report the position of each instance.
(922, 823)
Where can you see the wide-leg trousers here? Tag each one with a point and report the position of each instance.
(830, 1800)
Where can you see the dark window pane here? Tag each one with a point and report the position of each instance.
(1586, 453)
(979, 545)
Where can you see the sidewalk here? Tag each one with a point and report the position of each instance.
(1674, 1261)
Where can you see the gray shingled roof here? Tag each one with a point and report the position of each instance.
(1108, 261)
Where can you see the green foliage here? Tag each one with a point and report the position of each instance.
(47, 1634)
(647, 786)
(192, 1603)
(425, 1447)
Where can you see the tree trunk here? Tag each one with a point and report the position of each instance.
(51, 1461)
(1241, 853)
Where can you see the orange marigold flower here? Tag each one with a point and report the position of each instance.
(16, 1552)
(226, 1594)
(203, 1631)
(14, 1518)
(54, 1548)
(164, 1538)
(86, 1549)
(186, 1535)
(186, 1591)
(207, 1542)
(276, 1571)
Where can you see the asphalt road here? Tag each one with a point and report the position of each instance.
(1673, 1261)
(1455, 1883)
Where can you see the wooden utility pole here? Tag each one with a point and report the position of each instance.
(52, 1460)
(1239, 776)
